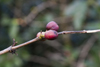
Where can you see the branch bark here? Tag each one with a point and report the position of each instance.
(37, 38)
(83, 31)
(18, 46)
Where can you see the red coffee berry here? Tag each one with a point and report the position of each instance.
(52, 26)
(51, 34)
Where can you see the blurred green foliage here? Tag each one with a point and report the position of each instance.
(22, 20)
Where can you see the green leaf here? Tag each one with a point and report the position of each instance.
(17, 61)
(77, 9)
(5, 21)
(14, 28)
(92, 25)
(48, 17)
(71, 9)
(79, 16)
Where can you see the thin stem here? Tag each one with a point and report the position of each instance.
(83, 31)
(37, 38)
(18, 46)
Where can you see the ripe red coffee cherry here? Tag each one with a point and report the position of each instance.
(51, 34)
(52, 26)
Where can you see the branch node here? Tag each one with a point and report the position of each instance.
(13, 51)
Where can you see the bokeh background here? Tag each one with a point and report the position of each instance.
(23, 19)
